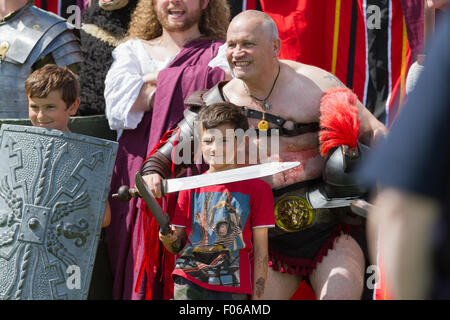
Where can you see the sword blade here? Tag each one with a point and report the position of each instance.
(227, 176)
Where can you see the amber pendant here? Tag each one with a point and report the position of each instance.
(263, 125)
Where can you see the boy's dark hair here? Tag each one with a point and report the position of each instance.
(220, 113)
(51, 77)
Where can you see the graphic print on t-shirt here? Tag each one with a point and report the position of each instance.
(217, 221)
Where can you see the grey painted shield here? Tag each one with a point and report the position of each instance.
(53, 192)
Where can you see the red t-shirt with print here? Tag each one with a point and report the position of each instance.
(219, 221)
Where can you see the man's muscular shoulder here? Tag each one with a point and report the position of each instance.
(317, 76)
(321, 81)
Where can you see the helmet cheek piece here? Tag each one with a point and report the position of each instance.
(339, 175)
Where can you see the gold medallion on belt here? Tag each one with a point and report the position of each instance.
(4, 47)
(293, 213)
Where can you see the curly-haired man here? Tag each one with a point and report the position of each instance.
(173, 48)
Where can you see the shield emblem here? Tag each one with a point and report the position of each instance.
(53, 192)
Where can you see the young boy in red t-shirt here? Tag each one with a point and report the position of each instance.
(220, 231)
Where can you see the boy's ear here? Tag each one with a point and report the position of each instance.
(74, 107)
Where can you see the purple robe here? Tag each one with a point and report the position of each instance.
(413, 11)
(188, 72)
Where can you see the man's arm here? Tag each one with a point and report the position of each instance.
(144, 101)
(127, 92)
(159, 164)
(405, 222)
(370, 129)
(260, 265)
(438, 4)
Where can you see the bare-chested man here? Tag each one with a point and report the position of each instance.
(291, 91)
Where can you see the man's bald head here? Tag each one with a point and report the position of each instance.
(253, 45)
(259, 18)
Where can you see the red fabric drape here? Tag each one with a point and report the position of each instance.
(52, 5)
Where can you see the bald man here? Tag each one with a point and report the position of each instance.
(288, 93)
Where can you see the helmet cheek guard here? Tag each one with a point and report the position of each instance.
(339, 174)
(340, 184)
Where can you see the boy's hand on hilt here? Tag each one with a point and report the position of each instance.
(153, 182)
(169, 237)
(170, 240)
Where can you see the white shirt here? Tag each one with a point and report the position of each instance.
(123, 81)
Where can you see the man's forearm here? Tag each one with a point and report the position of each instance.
(144, 99)
(405, 223)
(371, 129)
(157, 163)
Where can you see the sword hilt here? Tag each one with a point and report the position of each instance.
(361, 207)
(152, 204)
(125, 193)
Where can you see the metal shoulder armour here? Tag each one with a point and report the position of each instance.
(186, 134)
(24, 39)
(65, 48)
(53, 191)
(195, 101)
(161, 161)
(206, 97)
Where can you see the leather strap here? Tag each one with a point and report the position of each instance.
(299, 128)
(214, 95)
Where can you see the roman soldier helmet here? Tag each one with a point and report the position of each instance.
(339, 144)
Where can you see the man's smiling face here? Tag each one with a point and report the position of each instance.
(179, 15)
(249, 48)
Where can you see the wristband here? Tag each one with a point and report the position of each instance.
(150, 96)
